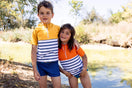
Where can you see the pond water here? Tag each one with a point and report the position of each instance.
(104, 78)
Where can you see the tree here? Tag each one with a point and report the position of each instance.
(76, 6)
(92, 17)
(12, 12)
(125, 15)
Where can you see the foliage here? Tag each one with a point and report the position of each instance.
(12, 12)
(125, 15)
(76, 6)
(92, 17)
(81, 36)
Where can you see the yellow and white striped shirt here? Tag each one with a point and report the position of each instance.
(47, 41)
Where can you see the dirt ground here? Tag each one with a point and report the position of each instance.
(18, 75)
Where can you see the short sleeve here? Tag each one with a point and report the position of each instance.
(80, 52)
(34, 39)
(58, 28)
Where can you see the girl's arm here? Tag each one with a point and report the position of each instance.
(65, 72)
(84, 59)
(33, 57)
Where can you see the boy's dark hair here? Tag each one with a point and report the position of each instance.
(46, 4)
(71, 40)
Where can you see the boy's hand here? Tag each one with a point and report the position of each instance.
(84, 71)
(36, 75)
(76, 44)
(68, 74)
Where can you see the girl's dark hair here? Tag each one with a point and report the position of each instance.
(46, 4)
(71, 40)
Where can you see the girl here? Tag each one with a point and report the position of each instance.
(69, 56)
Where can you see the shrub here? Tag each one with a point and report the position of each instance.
(81, 36)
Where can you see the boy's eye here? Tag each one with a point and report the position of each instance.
(48, 13)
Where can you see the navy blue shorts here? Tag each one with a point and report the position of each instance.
(48, 68)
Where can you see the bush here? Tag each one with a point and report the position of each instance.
(81, 36)
(17, 35)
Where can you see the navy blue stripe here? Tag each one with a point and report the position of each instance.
(54, 49)
(70, 61)
(48, 41)
(45, 52)
(47, 48)
(47, 45)
(71, 67)
(46, 56)
(48, 59)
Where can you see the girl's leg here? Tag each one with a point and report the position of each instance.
(56, 82)
(73, 81)
(85, 80)
(43, 82)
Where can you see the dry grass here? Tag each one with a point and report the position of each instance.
(111, 57)
(19, 52)
(120, 33)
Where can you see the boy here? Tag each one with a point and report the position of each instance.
(44, 52)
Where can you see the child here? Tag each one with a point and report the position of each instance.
(69, 56)
(44, 52)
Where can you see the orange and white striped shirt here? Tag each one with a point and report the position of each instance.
(70, 60)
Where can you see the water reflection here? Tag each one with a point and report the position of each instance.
(104, 78)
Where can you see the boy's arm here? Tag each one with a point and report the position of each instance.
(76, 44)
(84, 59)
(33, 57)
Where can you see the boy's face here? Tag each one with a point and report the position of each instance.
(45, 15)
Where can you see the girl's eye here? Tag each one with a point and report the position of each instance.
(62, 31)
(41, 13)
(67, 33)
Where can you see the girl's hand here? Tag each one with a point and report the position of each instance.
(36, 76)
(68, 74)
(84, 71)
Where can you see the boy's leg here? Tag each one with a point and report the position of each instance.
(73, 81)
(43, 82)
(85, 80)
(56, 82)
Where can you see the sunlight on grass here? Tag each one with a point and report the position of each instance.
(19, 52)
(97, 58)
(121, 58)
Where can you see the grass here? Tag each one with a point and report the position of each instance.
(121, 58)
(97, 58)
(19, 52)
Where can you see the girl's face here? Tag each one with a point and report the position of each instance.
(65, 35)
(45, 15)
